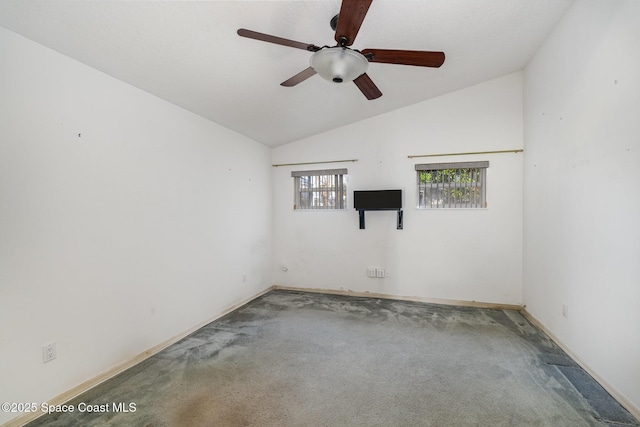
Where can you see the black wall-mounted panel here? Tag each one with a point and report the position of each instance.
(377, 200)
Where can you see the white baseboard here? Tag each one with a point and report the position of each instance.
(628, 405)
(99, 379)
(496, 306)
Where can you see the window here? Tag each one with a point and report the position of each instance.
(452, 185)
(320, 189)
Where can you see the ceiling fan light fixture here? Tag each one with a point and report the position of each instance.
(339, 64)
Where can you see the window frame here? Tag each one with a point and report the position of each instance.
(476, 172)
(317, 190)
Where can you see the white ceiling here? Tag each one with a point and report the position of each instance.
(188, 52)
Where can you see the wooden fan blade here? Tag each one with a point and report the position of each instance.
(367, 87)
(405, 57)
(352, 13)
(277, 40)
(298, 78)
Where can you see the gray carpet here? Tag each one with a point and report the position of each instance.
(302, 359)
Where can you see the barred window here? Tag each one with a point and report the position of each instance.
(320, 189)
(452, 185)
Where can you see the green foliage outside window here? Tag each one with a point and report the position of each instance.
(450, 188)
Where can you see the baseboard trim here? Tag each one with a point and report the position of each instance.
(495, 306)
(628, 405)
(100, 378)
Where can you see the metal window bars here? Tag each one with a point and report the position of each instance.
(320, 191)
(452, 185)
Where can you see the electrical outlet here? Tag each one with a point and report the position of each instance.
(380, 272)
(49, 352)
(371, 272)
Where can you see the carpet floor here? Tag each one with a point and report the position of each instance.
(303, 359)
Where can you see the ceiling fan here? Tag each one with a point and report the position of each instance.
(341, 63)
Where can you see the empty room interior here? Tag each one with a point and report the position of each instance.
(173, 172)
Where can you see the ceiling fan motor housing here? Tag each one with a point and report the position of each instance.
(339, 64)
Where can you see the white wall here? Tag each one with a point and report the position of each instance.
(582, 196)
(124, 220)
(472, 255)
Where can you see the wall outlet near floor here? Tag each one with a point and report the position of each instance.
(377, 272)
(565, 310)
(49, 352)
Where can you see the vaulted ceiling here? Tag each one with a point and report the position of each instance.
(188, 52)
